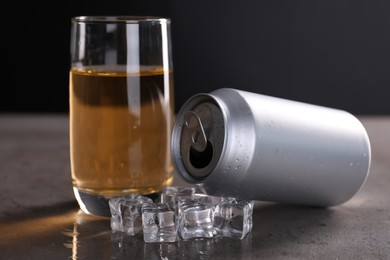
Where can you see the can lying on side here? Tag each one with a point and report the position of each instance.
(256, 147)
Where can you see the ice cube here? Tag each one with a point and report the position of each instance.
(159, 222)
(205, 198)
(182, 212)
(199, 189)
(196, 217)
(116, 215)
(126, 215)
(233, 218)
(173, 193)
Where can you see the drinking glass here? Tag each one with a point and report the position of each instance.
(121, 108)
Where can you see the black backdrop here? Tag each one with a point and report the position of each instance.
(334, 53)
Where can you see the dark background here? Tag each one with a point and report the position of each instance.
(331, 53)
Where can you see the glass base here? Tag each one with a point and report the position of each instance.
(97, 205)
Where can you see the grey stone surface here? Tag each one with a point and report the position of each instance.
(40, 219)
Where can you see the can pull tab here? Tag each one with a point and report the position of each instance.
(196, 131)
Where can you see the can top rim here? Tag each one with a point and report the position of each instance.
(120, 19)
(183, 162)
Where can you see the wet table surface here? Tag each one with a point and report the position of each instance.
(40, 219)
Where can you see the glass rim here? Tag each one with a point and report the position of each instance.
(128, 19)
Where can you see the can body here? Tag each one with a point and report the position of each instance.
(251, 146)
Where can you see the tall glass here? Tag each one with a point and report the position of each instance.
(121, 108)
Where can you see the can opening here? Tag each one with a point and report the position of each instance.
(198, 138)
(200, 160)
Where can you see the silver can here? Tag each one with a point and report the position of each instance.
(251, 146)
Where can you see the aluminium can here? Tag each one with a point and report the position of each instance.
(251, 146)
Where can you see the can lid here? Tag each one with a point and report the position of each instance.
(198, 137)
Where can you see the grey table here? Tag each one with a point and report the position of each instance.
(40, 219)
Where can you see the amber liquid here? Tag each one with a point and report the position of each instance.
(120, 126)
